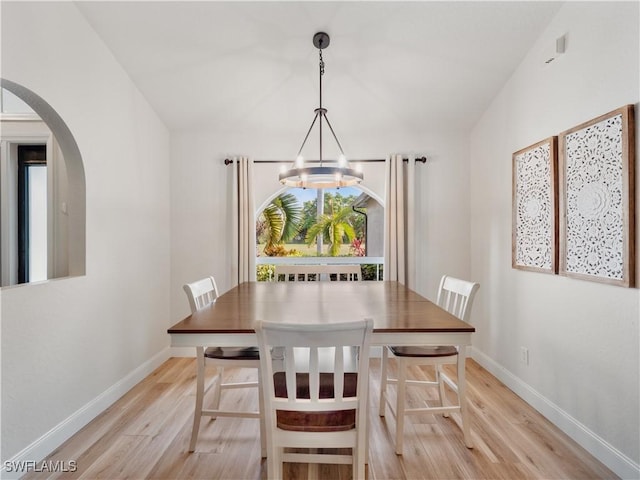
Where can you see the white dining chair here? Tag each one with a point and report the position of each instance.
(201, 294)
(311, 407)
(455, 296)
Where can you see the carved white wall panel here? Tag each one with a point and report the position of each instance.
(594, 199)
(534, 207)
(595, 185)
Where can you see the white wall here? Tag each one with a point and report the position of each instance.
(71, 346)
(583, 337)
(201, 197)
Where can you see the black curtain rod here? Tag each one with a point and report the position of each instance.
(423, 159)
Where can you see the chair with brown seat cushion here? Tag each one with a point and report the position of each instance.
(456, 296)
(313, 404)
(201, 294)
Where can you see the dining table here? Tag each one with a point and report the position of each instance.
(401, 316)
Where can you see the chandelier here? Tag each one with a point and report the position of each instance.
(329, 174)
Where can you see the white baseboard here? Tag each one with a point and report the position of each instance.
(55, 437)
(615, 460)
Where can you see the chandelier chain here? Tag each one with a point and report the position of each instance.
(321, 63)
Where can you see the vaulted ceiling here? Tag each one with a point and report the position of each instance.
(230, 66)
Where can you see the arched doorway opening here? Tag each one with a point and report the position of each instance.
(36, 128)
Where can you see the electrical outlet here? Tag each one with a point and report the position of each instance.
(524, 355)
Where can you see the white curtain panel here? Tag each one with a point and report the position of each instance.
(399, 221)
(244, 228)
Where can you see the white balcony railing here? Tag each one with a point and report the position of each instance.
(377, 261)
(319, 260)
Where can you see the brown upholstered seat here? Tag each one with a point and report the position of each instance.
(434, 351)
(237, 353)
(332, 421)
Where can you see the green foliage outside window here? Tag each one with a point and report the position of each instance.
(264, 273)
(369, 271)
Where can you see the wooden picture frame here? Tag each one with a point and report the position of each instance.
(597, 199)
(534, 242)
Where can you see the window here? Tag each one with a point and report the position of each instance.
(292, 218)
(348, 225)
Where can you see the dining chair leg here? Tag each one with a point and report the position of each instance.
(313, 469)
(197, 415)
(361, 454)
(274, 463)
(263, 426)
(400, 401)
(383, 381)
(441, 392)
(462, 398)
(358, 463)
(217, 389)
(366, 435)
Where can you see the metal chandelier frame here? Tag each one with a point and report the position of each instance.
(322, 176)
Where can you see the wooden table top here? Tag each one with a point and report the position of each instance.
(392, 306)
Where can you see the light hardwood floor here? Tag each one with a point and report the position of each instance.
(146, 433)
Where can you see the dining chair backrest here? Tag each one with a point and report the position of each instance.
(314, 341)
(456, 296)
(201, 293)
(308, 408)
(307, 273)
